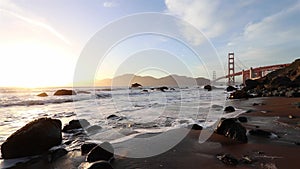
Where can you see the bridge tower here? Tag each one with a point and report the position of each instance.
(231, 79)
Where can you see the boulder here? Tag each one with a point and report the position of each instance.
(230, 89)
(229, 109)
(93, 128)
(63, 92)
(104, 151)
(280, 82)
(42, 94)
(75, 124)
(208, 87)
(87, 147)
(232, 129)
(100, 165)
(34, 138)
(56, 154)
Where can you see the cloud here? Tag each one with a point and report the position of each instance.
(274, 36)
(110, 4)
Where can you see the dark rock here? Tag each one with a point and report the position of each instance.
(56, 154)
(195, 127)
(246, 160)
(229, 109)
(87, 147)
(208, 87)
(100, 165)
(42, 94)
(112, 117)
(63, 92)
(280, 81)
(230, 89)
(260, 133)
(136, 85)
(34, 138)
(145, 91)
(232, 129)
(93, 128)
(251, 84)
(239, 94)
(243, 119)
(163, 88)
(104, 151)
(228, 159)
(75, 124)
(172, 89)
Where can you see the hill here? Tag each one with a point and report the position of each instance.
(170, 81)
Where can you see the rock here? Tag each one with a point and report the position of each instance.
(34, 138)
(112, 117)
(56, 154)
(87, 147)
(63, 92)
(136, 85)
(246, 160)
(251, 84)
(75, 124)
(195, 127)
(208, 87)
(100, 165)
(229, 109)
(260, 133)
(104, 151)
(291, 117)
(243, 119)
(163, 88)
(42, 94)
(280, 81)
(239, 94)
(230, 89)
(230, 128)
(227, 159)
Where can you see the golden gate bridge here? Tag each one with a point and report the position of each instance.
(251, 73)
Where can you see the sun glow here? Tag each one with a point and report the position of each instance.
(33, 64)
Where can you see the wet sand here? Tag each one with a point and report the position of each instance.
(270, 114)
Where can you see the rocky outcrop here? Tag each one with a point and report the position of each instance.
(34, 138)
(136, 85)
(232, 129)
(100, 165)
(64, 92)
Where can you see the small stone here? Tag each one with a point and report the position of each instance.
(229, 109)
(227, 159)
(57, 153)
(104, 151)
(75, 124)
(246, 159)
(291, 116)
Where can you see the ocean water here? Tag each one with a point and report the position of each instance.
(138, 111)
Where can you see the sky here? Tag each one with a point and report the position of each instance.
(44, 42)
